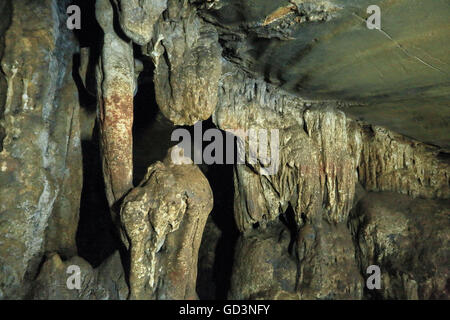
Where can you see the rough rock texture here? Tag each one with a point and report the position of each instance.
(137, 18)
(316, 261)
(40, 153)
(164, 218)
(186, 54)
(396, 77)
(207, 260)
(327, 265)
(323, 155)
(409, 239)
(335, 194)
(263, 267)
(107, 282)
(5, 8)
(116, 85)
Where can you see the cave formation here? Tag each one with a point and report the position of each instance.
(88, 179)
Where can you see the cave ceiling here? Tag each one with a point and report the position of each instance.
(397, 77)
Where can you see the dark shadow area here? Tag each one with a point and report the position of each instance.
(288, 220)
(151, 130)
(90, 32)
(221, 180)
(96, 236)
(219, 239)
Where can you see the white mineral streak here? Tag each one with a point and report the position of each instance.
(169, 208)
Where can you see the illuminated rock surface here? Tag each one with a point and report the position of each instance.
(362, 175)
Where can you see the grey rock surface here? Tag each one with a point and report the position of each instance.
(164, 218)
(40, 154)
(355, 170)
(396, 77)
(138, 17)
(186, 55)
(409, 240)
(54, 282)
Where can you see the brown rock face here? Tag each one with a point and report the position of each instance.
(322, 156)
(311, 194)
(409, 240)
(115, 78)
(327, 266)
(263, 267)
(40, 151)
(56, 282)
(316, 261)
(137, 18)
(164, 218)
(187, 60)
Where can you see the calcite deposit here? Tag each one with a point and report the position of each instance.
(187, 59)
(164, 218)
(115, 78)
(40, 153)
(329, 143)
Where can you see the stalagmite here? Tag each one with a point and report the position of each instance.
(323, 157)
(40, 149)
(164, 218)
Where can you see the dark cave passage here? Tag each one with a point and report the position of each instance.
(217, 250)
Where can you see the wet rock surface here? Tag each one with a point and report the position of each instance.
(115, 83)
(396, 77)
(137, 18)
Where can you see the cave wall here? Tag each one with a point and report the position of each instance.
(349, 190)
(41, 152)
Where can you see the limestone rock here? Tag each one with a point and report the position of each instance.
(187, 58)
(321, 194)
(55, 282)
(263, 267)
(327, 264)
(115, 87)
(409, 240)
(207, 277)
(164, 218)
(322, 155)
(137, 18)
(40, 151)
(396, 77)
(316, 261)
